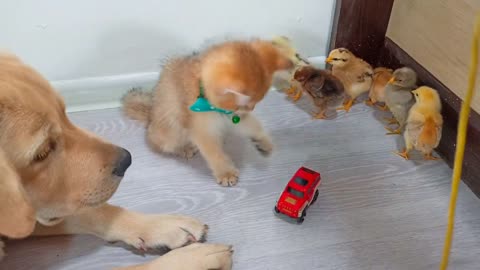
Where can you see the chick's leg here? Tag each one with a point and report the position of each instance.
(297, 96)
(404, 153)
(291, 91)
(392, 131)
(429, 156)
(347, 105)
(383, 108)
(370, 102)
(391, 121)
(294, 93)
(408, 146)
(320, 115)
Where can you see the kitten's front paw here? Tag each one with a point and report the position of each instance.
(227, 178)
(188, 151)
(264, 145)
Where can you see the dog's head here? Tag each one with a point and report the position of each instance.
(237, 75)
(49, 167)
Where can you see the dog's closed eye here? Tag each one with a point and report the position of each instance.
(44, 151)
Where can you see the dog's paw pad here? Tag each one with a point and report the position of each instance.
(163, 232)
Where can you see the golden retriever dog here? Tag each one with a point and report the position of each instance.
(232, 76)
(56, 178)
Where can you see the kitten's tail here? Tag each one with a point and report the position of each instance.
(137, 104)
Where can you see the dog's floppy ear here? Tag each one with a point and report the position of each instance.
(17, 216)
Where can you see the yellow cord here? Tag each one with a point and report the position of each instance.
(461, 140)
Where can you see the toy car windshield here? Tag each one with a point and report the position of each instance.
(300, 181)
(295, 192)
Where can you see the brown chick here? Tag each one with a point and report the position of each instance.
(381, 76)
(325, 89)
(355, 74)
(423, 130)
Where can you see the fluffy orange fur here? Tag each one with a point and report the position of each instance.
(244, 67)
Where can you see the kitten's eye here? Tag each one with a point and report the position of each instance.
(45, 153)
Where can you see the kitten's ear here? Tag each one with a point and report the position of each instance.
(17, 216)
(271, 56)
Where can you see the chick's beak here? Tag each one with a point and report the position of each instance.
(329, 60)
(391, 80)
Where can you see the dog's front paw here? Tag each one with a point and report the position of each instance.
(2, 253)
(227, 178)
(163, 231)
(193, 257)
(264, 145)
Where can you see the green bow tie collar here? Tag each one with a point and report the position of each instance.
(203, 105)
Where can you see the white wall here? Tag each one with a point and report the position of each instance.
(71, 40)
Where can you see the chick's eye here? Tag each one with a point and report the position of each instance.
(336, 59)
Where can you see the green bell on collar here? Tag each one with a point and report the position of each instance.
(203, 105)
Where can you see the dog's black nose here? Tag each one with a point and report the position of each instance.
(123, 163)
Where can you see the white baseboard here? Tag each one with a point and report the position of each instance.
(97, 93)
(101, 92)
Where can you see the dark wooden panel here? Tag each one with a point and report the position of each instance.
(360, 26)
(393, 56)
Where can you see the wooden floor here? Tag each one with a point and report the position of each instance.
(375, 210)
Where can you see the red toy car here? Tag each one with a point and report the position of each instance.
(300, 193)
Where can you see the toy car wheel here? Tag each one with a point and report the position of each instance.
(315, 197)
(276, 210)
(302, 217)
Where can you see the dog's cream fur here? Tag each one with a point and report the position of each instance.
(235, 75)
(56, 174)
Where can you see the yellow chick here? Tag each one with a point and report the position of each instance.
(284, 44)
(355, 74)
(423, 130)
